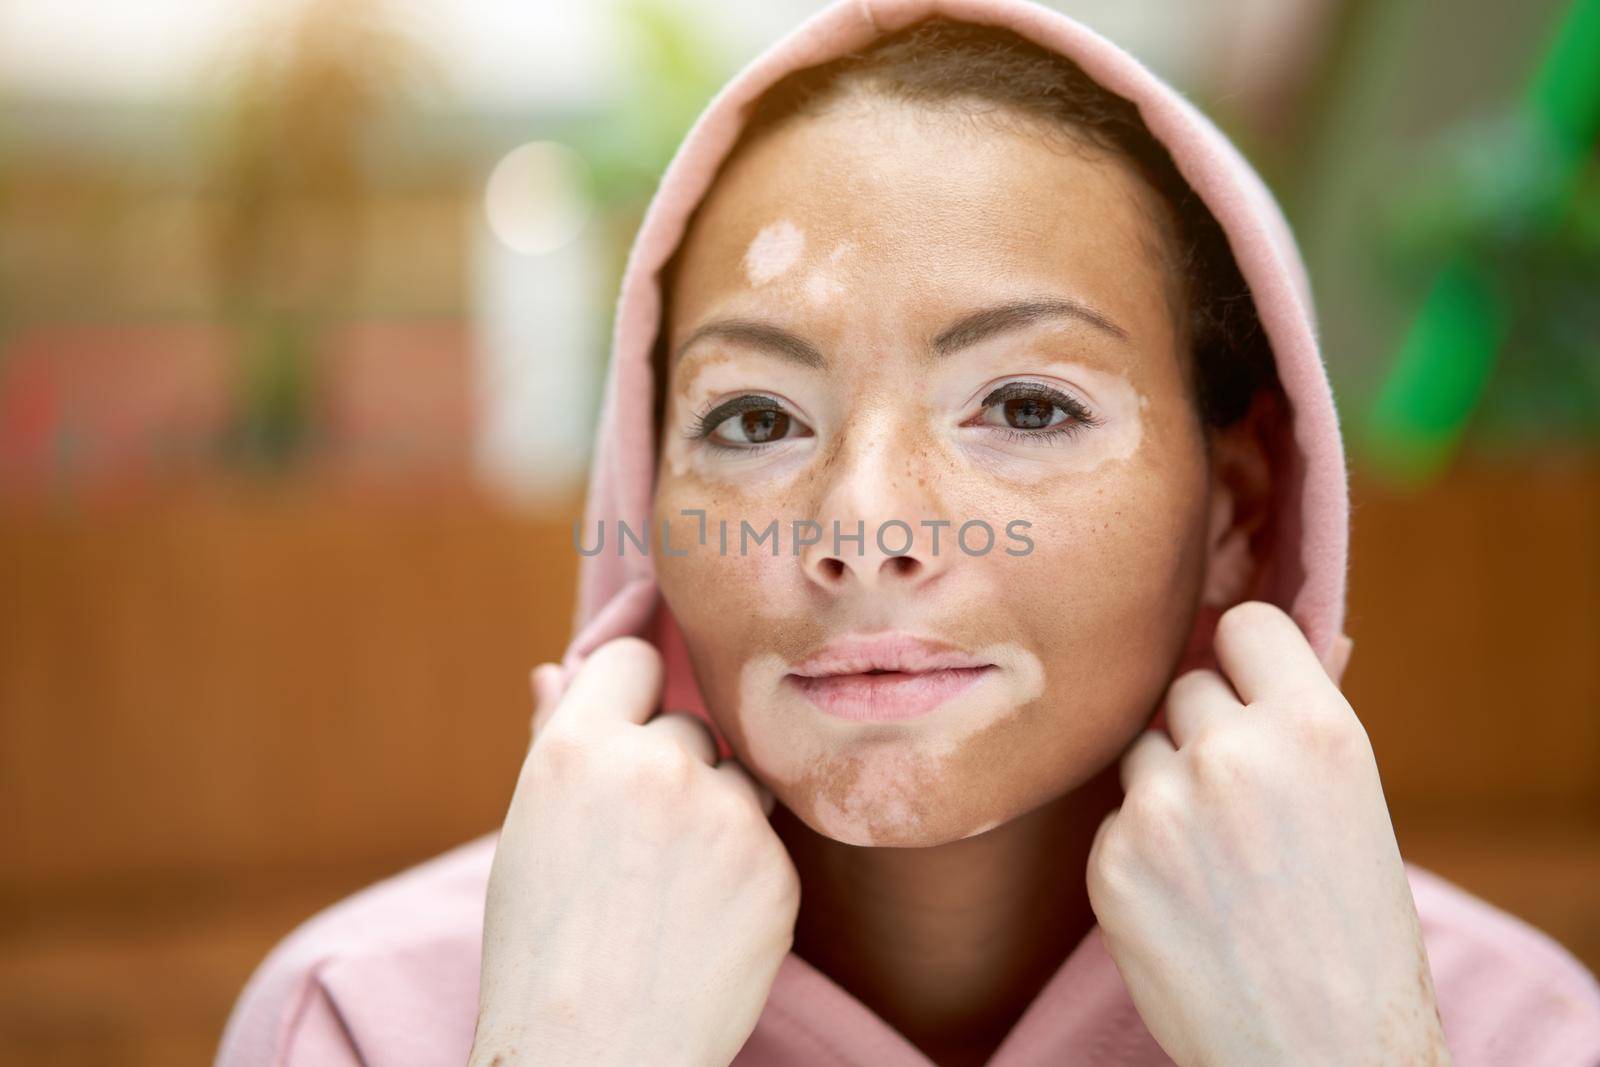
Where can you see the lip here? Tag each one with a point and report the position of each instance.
(886, 677)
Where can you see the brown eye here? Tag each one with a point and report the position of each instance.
(760, 427)
(749, 421)
(1028, 413)
(1032, 410)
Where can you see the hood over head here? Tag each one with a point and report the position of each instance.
(1305, 573)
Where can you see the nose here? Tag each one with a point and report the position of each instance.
(877, 526)
(838, 566)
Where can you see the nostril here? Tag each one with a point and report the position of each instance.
(833, 569)
(904, 566)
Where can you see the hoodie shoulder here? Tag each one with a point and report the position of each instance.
(1508, 992)
(387, 977)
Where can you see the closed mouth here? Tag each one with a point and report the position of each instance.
(886, 677)
(885, 653)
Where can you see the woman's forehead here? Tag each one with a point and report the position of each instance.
(914, 208)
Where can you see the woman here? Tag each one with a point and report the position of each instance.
(960, 629)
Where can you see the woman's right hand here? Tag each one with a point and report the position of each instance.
(639, 903)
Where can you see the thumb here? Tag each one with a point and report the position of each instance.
(546, 684)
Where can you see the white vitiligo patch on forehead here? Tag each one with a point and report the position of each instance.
(822, 284)
(877, 782)
(773, 251)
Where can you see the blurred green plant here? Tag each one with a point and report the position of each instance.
(672, 69)
(1503, 223)
(277, 369)
(285, 153)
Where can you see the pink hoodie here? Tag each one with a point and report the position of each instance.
(389, 977)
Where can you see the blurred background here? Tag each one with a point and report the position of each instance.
(304, 310)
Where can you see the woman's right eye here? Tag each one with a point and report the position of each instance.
(748, 422)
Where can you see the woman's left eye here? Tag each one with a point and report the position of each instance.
(1031, 410)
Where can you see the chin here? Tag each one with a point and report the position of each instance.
(892, 825)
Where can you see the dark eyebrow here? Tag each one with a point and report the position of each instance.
(983, 324)
(966, 331)
(759, 335)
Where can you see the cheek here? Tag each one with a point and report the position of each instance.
(730, 605)
(724, 595)
(1109, 597)
(727, 574)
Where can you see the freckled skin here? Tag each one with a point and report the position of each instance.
(943, 216)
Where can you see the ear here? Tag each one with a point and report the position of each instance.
(1241, 501)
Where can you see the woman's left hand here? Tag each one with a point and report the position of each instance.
(1249, 888)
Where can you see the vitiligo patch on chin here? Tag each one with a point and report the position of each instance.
(871, 783)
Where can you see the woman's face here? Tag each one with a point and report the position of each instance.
(902, 321)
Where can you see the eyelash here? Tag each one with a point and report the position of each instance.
(1079, 419)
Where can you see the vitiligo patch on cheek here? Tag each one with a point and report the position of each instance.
(773, 251)
(1120, 409)
(704, 381)
(874, 783)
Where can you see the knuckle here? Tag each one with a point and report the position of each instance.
(788, 878)
(789, 905)
(783, 881)
(1333, 731)
(559, 751)
(727, 813)
(657, 766)
(1111, 873)
(1222, 757)
(1155, 807)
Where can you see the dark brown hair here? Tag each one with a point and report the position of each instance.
(942, 62)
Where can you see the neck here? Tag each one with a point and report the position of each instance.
(950, 944)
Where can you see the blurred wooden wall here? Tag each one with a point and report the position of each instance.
(225, 709)
(1475, 610)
